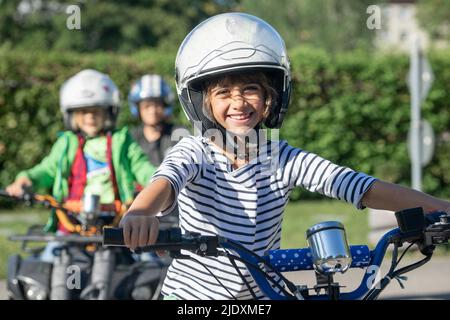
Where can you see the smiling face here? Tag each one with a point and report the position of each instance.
(239, 103)
(90, 120)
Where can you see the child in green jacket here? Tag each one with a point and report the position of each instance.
(92, 157)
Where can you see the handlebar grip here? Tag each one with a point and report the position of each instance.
(27, 195)
(434, 217)
(114, 236)
(3, 193)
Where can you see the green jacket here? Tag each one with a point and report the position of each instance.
(130, 165)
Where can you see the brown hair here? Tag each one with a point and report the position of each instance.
(270, 94)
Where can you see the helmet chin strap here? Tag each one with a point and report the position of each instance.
(86, 136)
(241, 146)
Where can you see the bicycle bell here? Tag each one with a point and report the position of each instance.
(329, 248)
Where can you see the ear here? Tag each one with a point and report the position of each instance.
(267, 109)
(72, 120)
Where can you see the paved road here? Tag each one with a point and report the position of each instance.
(431, 281)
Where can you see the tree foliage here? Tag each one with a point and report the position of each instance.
(329, 24)
(347, 108)
(434, 16)
(119, 26)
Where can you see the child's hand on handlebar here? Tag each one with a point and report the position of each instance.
(139, 230)
(16, 189)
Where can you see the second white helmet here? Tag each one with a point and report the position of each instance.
(89, 88)
(229, 43)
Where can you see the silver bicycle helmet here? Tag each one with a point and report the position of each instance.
(89, 88)
(231, 43)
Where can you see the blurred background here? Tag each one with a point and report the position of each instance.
(350, 102)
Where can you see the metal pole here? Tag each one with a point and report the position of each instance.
(415, 81)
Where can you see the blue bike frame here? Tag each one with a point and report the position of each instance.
(285, 260)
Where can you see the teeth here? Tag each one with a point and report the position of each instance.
(240, 116)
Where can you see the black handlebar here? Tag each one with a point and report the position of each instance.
(424, 230)
(170, 240)
(28, 195)
(114, 236)
(427, 230)
(59, 238)
(3, 193)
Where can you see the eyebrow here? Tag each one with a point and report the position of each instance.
(222, 86)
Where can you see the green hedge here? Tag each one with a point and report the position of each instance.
(352, 109)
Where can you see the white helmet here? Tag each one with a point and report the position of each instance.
(89, 88)
(229, 43)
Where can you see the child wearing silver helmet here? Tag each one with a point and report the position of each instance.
(92, 156)
(233, 80)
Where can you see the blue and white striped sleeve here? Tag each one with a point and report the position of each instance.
(180, 166)
(317, 174)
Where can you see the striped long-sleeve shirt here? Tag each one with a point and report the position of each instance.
(246, 205)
